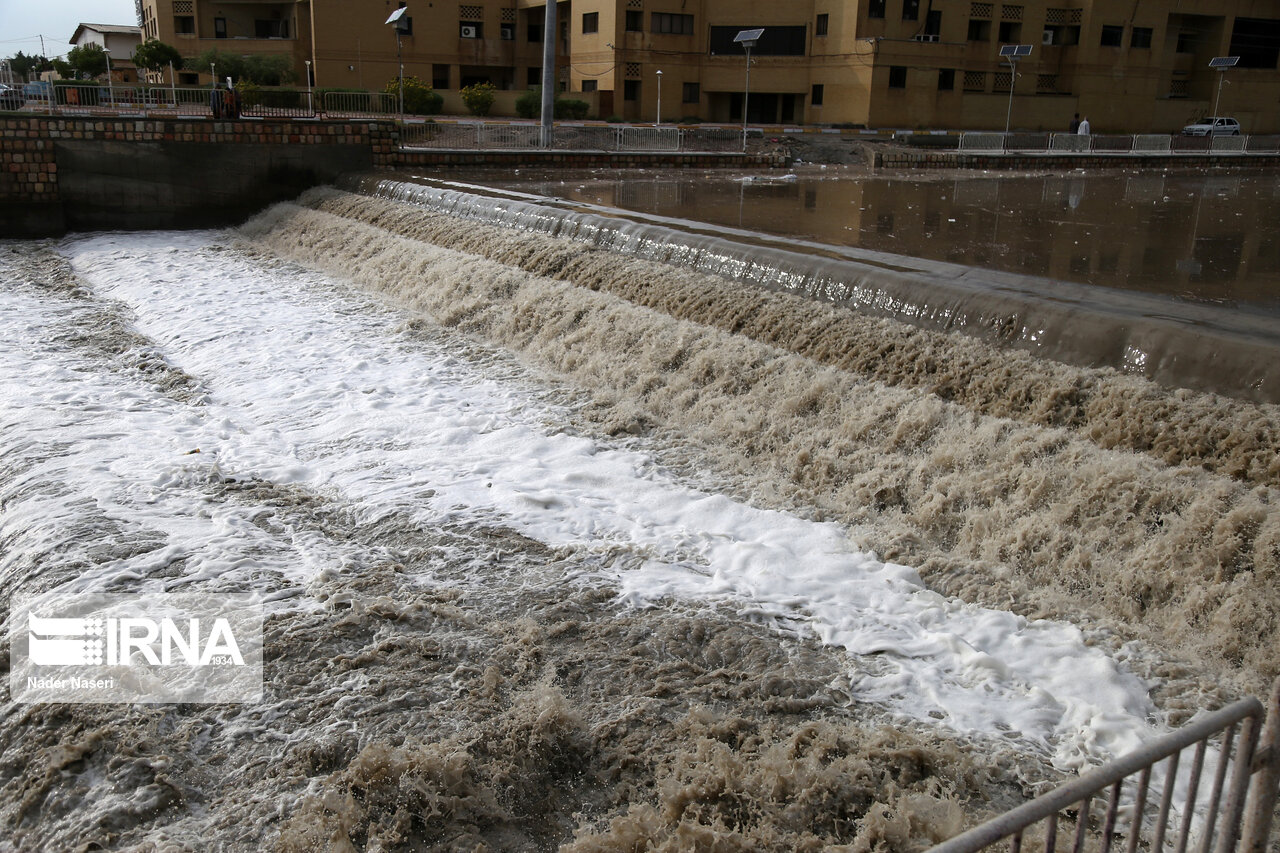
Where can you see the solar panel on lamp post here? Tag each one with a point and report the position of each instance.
(748, 39)
(1222, 63)
(397, 20)
(1012, 52)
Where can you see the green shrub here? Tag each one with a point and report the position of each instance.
(479, 97)
(571, 108)
(419, 98)
(529, 105)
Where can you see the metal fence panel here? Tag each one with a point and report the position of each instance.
(361, 104)
(975, 141)
(1220, 797)
(649, 139)
(508, 136)
(1152, 142)
(436, 135)
(1113, 144)
(1026, 142)
(1227, 144)
(1263, 144)
(1070, 142)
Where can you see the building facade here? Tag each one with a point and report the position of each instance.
(1134, 66)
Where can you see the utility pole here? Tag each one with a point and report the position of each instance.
(548, 73)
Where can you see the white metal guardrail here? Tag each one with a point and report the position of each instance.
(1228, 813)
(1141, 143)
(360, 104)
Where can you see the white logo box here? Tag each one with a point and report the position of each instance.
(144, 647)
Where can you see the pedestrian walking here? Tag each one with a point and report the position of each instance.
(1083, 129)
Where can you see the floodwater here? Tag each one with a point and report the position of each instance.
(1206, 238)
(581, 532)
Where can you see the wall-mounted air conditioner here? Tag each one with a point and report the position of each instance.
(468, 32)
(1047, 38)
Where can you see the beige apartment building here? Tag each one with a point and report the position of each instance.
(1129, 66)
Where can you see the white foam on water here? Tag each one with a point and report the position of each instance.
(310, 385)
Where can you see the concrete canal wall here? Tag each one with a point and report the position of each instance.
(60, 174)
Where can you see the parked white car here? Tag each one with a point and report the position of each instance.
(1213, 126)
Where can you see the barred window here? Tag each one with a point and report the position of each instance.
(671, 24)
(975, 81)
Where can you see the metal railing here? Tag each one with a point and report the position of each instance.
(1140, 143)
(488, 136)
(360, 104)
(1233, 815)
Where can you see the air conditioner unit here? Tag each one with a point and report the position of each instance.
(468, 32)
(1047, 38)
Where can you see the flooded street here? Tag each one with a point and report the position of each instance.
(1206, 238)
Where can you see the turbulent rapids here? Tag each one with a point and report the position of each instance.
(572, 533)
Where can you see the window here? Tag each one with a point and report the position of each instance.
(1140, 37)
(1256, 41)
(219, 28)
(1187, 42)
(670, 24)
(816, 98)
(184, 24)
(946, 79)
(1010, 32)
(910, 10)
(933, 23)
(775, 41)
(820, 25)
(979, 30)
(897, 76)
(635, 21)
(589, 85)
(691, 94)
(471, 30)
(590, 22)
(875, 9)
(975, 81)
(533, 77)
(439, 76)
(534, 34)
(630, 90)
(1112, 36)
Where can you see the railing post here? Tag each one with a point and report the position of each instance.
(1266, 781)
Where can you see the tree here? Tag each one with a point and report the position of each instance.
(262, 69)
(27, 65)
(88, 60)
(155, 55)
(419, 98)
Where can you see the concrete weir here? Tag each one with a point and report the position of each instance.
(87, 173)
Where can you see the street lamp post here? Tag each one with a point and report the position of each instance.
(659, 121)
(748, 39)
(397, 20)
(310, 107)
(1222, 63)
(111, 92)
(1012, 52)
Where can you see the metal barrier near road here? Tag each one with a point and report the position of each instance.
(360, 104)
(1142, 143)
(1231, 812)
